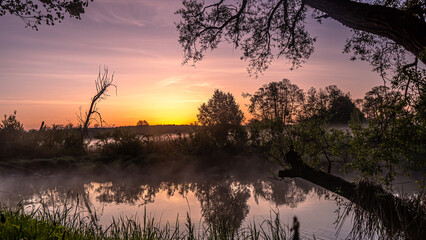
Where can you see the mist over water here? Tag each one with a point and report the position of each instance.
(238, 197)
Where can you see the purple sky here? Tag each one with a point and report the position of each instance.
(47, 75)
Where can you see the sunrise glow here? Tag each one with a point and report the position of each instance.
(48, 75)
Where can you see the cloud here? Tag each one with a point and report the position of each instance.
(133, 13)
(40, 101)
(171, 81)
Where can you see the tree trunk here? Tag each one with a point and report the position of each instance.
(397, 25)
(396, 215)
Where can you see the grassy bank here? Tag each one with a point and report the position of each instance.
(68, 223)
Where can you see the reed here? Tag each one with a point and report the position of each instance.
(67, 222)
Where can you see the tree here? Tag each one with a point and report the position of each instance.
(267, 29)
(386, 34)
(330, 104)
(11, 132)
(142, 123)
(35, 13)
(222, 116)
(10, 124)
(276, 102)
(103, 82)
(393, 142)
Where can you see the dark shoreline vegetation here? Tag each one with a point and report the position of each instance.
(294, 131)
(65, 223)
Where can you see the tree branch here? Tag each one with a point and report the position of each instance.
(397, 25)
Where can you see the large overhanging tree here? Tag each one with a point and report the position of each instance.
(390, 34)
(49, 12)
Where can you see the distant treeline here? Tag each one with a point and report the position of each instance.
(145, 130)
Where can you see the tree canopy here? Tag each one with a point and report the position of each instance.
(277, 101)
(221, 109)
(286, 103)
(389, 34)
(222, 117)
(142, 123)
(35, 13)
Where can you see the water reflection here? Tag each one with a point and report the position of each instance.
(291, 193)
(125, 193)
(223, 201)
(224, 204)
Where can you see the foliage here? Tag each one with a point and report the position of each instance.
(258, 29)
(201, 141)
(386, 34)
(35, 13)
(50, 141)
(282, 103)
(288, 117)
(11, 133)
(330, 104)
(389, 60)
(221, 117)
(121, 142)
(264, 30)
(278, 102)
(59, 140)
(392, 142)
(393, 138)
(11, 124)
(142, 123)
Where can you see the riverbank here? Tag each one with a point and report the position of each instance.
(66, 223)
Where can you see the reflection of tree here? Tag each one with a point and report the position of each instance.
(129, 193)
(126, 193)
(171, 188)
(281, 193)
(223, 202)
(224, 205)
(278, 192)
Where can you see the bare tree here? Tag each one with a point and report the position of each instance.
(103, 82)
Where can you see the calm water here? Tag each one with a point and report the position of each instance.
(240, 199)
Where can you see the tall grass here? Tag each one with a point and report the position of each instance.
(69, 223)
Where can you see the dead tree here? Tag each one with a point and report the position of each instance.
(103, 82)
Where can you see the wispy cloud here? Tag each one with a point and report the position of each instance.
(201, 84)
(189, 100)
(41, 101)
(170, 81)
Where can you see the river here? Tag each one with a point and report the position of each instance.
(238, 198)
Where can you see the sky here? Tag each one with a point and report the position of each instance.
(49, 75)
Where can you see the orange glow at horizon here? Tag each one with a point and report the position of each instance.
(49, 74)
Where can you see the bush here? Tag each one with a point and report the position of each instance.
(120, 142)
(56, 140)
(59, 140)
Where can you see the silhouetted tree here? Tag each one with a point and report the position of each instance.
(35, 13)
(385, 32)
(394, 139)
(11, 131)
(379, 100)
(277, 102)
(222, 117)
(330, 104)
(142, 123)
(11, 124)
(103, 82)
